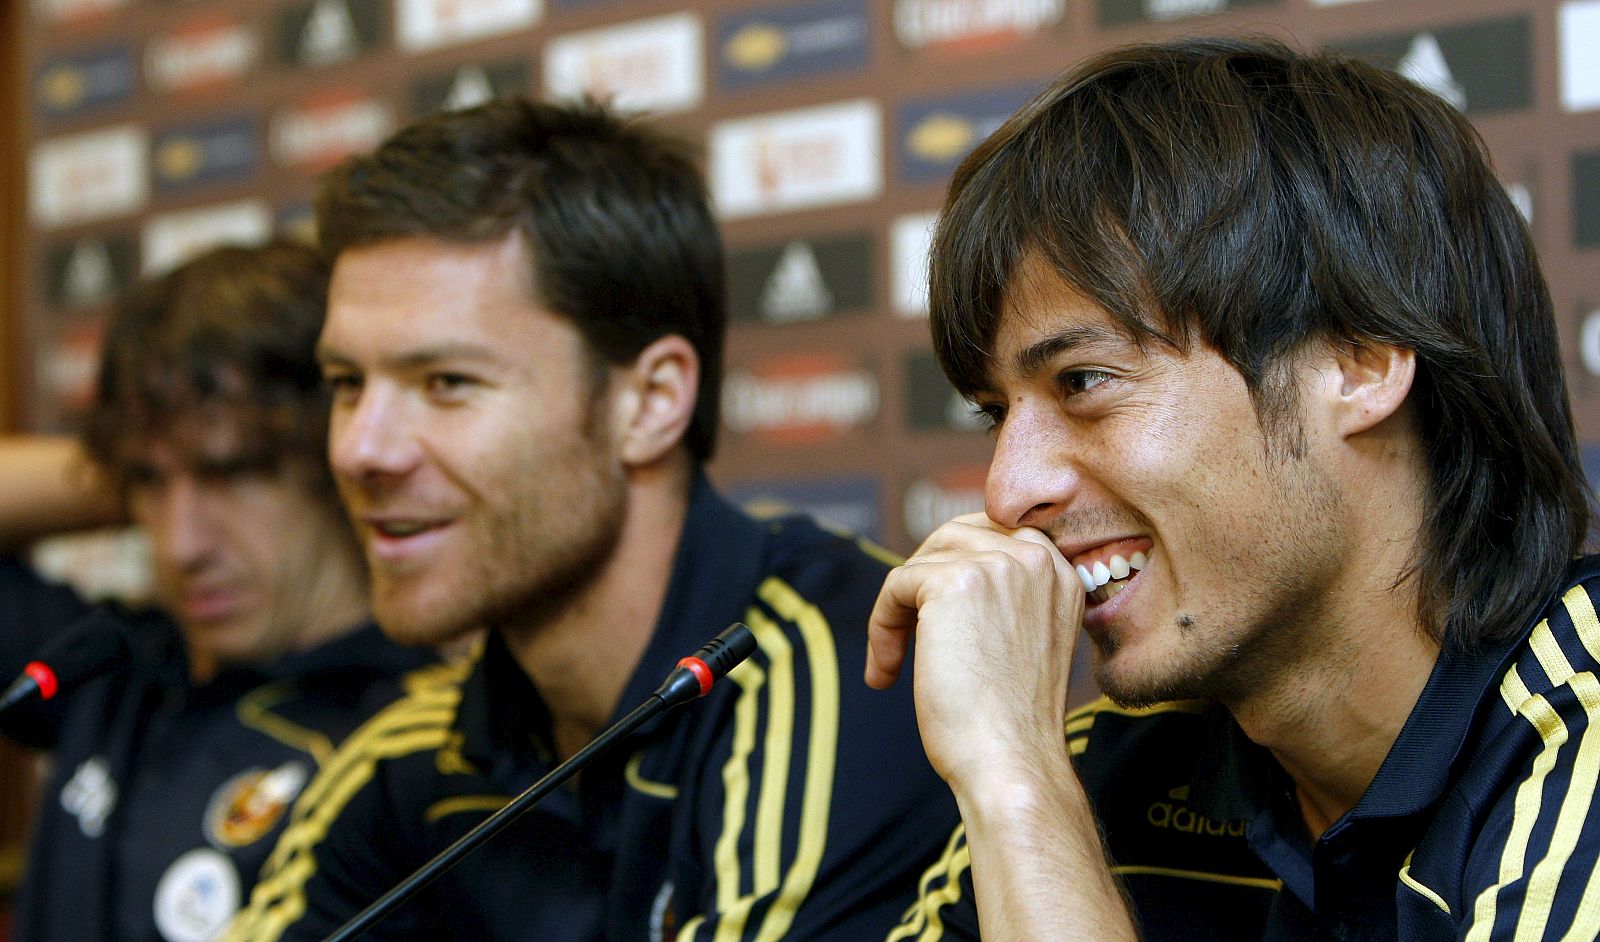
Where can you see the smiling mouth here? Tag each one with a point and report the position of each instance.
(1105, 578)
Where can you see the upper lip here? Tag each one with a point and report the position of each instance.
(1079, 547)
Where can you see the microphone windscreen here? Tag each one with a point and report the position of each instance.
(92, 645)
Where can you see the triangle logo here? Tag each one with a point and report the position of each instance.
(88, 277)
(470, 88)
(330, 34)
(1424, 63)
(796, 290)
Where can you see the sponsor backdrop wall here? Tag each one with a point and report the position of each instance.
(155, 128)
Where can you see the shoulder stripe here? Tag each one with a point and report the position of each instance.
(419, 722)
(1581, 608)
(949, 866)
(777, 682)
(1547, 650)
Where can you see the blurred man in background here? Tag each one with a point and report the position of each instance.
(1280, 422)
(172, 775)
(524, 350)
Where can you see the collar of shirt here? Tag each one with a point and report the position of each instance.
(714, 575)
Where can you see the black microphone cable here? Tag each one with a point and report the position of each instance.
(690, 680)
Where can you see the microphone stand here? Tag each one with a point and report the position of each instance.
(691, 679)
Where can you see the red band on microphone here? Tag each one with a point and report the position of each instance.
(46, 678)
(700, 671)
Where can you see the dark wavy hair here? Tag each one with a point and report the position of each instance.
(235, 327)
(1257, 199)
(614, 213)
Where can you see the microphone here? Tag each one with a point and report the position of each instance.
(692, 678)
(93, 645)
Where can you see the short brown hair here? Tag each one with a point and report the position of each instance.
(1257, 199)
(614, 213)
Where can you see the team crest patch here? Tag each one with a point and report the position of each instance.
(248, 805)
(197, 896)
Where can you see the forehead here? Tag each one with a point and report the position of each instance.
(1041, 315)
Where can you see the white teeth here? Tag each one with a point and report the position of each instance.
(1102, 575)
(1119, 568)
(1138, 561)
(1086, 579)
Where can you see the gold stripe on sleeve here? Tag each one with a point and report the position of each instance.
(1549, 654)
(465, 804)
(1584, 621)
(917, 916)
(736, 782)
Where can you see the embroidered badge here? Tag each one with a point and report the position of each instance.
(90, 795)
(248, 805)
(197, 896)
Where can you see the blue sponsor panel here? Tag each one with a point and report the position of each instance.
(848, 503)
(1586, 200)
(783, 43)
(199, 154)
(936, 134)
(1478, 67)
(82, 82)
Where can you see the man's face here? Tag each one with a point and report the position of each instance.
(241, 549)
(469, 443)
(1153, 464)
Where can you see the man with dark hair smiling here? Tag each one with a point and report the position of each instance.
(1280, 422)
(524, 347)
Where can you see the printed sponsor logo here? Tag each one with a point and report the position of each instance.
(847, 503)
(910, 239)
(75, 11)
(1586, 199)
(793, 41)
(328, 32)
(1579, 32)
(1133, 11)
(801, 280)
(90, 795)
(429, 24)
(469, 85)
(932, 404)
(1478, 67)
(65, 370)
(170, 239)
(936, 135)
(800, 398)
(89, 271)
(322, 129)
(213, 152)
(931, 501)
(89, 176)
(1174, 814)
(972, 25)
(201, 51)
(647, 65)
(83, 82)
(800, 159)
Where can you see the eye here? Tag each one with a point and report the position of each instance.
(1079, 381)
(989, 414)
(342, 384)
(446, 385)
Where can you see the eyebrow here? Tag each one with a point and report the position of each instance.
(412, 359)
(1034, 357)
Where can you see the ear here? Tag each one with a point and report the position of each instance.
(1371, 381)
(654, 399)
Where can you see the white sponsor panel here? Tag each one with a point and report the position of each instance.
(920, 23)
(648, 65)
(1580, 67)
(89, 176)
(200, 54)
(170, 239)
(1172, 9)
(789, 160)
(799, 407)
(930, 503)
(429, 24)
(62, 10)
(910, 239)
(319, 132)
(1589, 343)
(1334, 3)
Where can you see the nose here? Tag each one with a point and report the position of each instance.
(1032, 476)
(367, 436)
(180, 524)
